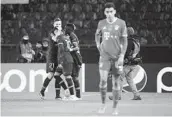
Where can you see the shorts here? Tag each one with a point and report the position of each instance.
(67, 69)
(130, 71)
(77, 58)
(52, 67)
(106, 63)
(75, 70)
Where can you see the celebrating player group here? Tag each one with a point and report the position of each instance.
(63, 58)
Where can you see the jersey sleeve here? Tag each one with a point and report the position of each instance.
(60, 51)
(73, 38)
(124, 30)
(50, 51)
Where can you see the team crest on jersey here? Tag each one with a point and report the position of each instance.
(116, 27)
(140, 79)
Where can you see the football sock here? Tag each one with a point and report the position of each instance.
(103, 94)
(77, 87)
(70, 85)
(61, 82)
(45, 84)
(116, 94)
(57, 86)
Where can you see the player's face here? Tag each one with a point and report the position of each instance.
(110, 13)
(45, 44)
(58, 25)
(38, 45)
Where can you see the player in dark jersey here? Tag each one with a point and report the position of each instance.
(52, 69)
(77, 58)
(113, 33)
(65, 61)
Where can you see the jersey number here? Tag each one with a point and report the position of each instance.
(106, 35)
(51, 66)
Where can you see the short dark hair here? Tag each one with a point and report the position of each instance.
(109, 5)
(39, 42)
(71, 26)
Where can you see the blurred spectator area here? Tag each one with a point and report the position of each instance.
(151, 19)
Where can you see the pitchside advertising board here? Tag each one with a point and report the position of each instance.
(18, 78)
(29, 78)
(149, 78)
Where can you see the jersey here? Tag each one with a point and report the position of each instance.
(52, 51)
(75, 54)
(64, 46)
(51, 58)
(111, 34)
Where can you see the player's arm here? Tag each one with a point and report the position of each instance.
(74, 40)
(50, 50)
(124, 40)
(98, 36)
(60, 52)
(136, 49)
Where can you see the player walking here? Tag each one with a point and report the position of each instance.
(113, 33)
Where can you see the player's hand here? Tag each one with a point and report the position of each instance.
(60, 66)
(121, 60)
(120, 63)
(70, 49)
(53, 37)
(33, 52)
(98, 47)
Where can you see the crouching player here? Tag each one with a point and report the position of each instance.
(131, 61)
(65, 61)
(77, 58)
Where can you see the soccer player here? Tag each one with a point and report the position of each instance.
(77, 58)
(65, 61)
(113, 33)
(132, 59)
(52, 69)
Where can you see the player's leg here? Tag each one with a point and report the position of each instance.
(45, 84)
(75, 74)
(104, 67)
(59, 82)
(121, 87)
(57, 85)
(116, 71)
(67, 71)
(116, 92)
(122, 76)
(129, 77)
(50, 68)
